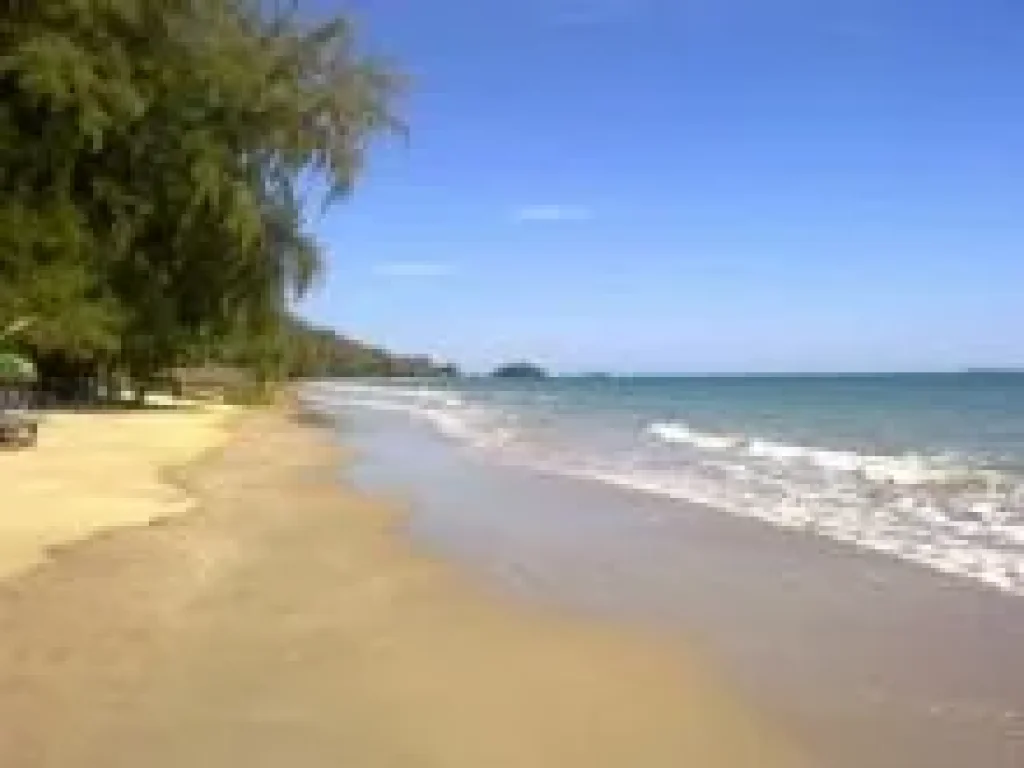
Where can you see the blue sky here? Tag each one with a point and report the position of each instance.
(692, 185)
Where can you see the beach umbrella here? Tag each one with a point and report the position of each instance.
(15, 368)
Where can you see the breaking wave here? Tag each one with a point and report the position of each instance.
(946, 512)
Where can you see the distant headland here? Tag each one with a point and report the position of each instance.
(520, 370)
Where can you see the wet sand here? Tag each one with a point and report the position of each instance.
(870, 660)
(286, 621)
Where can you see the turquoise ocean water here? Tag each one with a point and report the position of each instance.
(924, 467)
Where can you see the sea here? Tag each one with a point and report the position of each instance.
(925, 468)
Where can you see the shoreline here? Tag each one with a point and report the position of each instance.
(868, 659)
(287, 618)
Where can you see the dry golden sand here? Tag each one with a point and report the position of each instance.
(286, 623)
(95, 471)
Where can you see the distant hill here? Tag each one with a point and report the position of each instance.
(519, 371)
(314, 353)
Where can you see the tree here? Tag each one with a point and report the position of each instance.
(317, 353)
(150, 152)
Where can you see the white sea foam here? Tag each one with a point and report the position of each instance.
(909, 469)
(448, 413)
(675, 432)
(937, 511)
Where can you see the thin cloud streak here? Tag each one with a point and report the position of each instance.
(553, 213)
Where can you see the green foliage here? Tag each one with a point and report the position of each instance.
(250, 394)
(149, 157)
(16, 369)
(317, 353)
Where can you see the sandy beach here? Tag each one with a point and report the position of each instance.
(271, 616)
(98, 471)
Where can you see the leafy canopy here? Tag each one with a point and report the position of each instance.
(150, 152)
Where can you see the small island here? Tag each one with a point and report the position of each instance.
(519, 371)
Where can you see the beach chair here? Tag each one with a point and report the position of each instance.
(18, 425)
(19, 428)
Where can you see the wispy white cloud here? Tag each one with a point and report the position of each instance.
(413, 269)
(552, 213)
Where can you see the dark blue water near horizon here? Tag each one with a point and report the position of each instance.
(980, 413)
